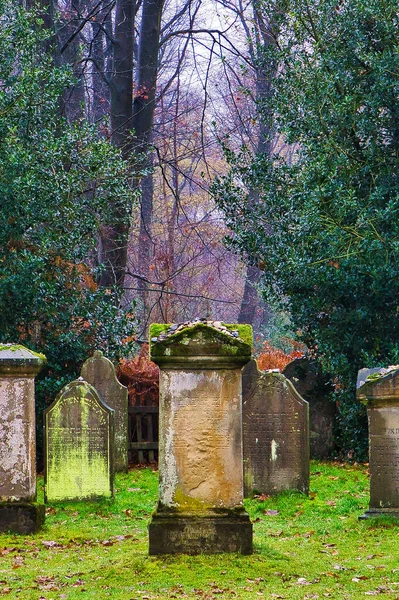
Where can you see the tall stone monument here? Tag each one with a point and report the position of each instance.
(200, 506)
(79, 436)
(379, 391)
(315, 387)
(275, 433)
(100, 373)
(19, 511)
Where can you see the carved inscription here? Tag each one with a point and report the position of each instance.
(275, 434)
(384, 457)
(202, 451)
(78, 429)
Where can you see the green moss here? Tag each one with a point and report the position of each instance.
(216, 342)
(16, 347)
(244, 331)
(157, 328)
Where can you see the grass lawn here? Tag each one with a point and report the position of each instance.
(305, 547)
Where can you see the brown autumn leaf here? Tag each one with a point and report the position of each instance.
(51, 544)
(45, 578)
(303, 581)
(5, 551)
(270, 512)
(331, 503)
(18, 562)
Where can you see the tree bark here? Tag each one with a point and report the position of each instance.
(143, 118)
(114, 237)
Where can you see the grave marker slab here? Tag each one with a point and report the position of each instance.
(380, 394)
(100, 373)
(275, 433)
(314, 386)
(200, 506)
(78, 445)
(19, 512)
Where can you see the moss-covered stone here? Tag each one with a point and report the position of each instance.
(16, 359)
(200, 343)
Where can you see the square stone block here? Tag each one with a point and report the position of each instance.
(21, 517)
(194, 534)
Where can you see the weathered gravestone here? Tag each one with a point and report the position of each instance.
(275, 433)
(200, 506)
(19, 512)
(100, 373)
(379, 391)
(79, 436)
(314, 386)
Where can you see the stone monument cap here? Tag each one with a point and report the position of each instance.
(200, 344)
(20, 361)
(364, 374)
(380, 385)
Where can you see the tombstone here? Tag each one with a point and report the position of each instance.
(78, 435)
(314, 387)
(380, 393)
(100, 373)
(19, 511)
(200, 507)
(275, 433)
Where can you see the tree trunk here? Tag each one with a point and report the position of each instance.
(114, 237)
(143, 117)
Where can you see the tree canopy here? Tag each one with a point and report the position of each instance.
(325, 229)
(57, 182)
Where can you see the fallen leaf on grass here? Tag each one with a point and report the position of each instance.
(18, 562)
(134, 489)
(6, 551)
(261, 497)
(51, 544)
(359, 578)
(331, 503)
(271, 513)
(303, 581)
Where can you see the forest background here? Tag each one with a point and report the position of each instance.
(166, 160)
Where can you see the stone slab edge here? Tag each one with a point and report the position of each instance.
(21, 517)
(172, 534)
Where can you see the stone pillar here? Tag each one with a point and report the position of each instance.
(100, 373)
(200, 506)
(19, 512)
(378, 389)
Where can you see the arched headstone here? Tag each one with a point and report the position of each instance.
(100, 373)
(275, 433)
(78, 445)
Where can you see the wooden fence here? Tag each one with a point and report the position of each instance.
(143, 433)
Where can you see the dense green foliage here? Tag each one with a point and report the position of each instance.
(326, 229)
(57, 183)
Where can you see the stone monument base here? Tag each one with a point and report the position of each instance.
(209, 533)
(21, 517)
(372, 513)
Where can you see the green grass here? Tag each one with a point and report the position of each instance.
(305, 548)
